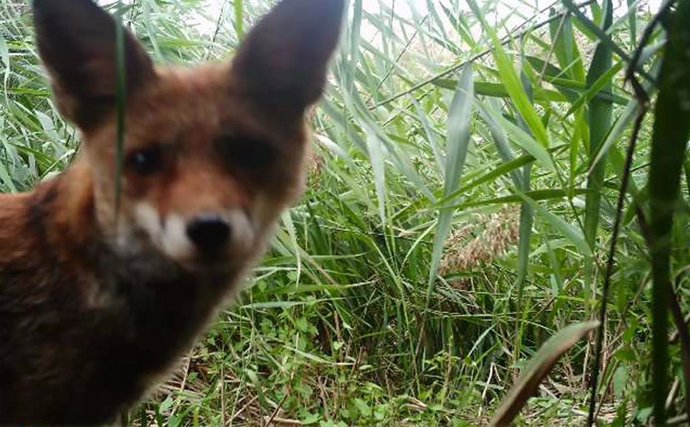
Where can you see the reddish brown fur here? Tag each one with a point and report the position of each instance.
(213, 105)
(98, 299)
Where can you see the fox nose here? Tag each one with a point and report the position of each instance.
(209, 233)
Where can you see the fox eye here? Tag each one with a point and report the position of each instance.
(247, 153)
(146, 161)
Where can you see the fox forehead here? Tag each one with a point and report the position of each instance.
(202, 103)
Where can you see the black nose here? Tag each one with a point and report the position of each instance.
(209, 233)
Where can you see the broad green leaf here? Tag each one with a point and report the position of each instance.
(537, 370)
(457, 145)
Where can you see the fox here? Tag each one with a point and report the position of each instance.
(110, 271)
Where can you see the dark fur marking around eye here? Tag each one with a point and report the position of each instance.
(146, 161)
(247, 153)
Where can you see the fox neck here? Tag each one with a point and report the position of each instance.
(64, 210)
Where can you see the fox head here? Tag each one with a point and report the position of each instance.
(212, 154)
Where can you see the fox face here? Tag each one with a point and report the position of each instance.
(213, 154)
(102, 291)
(204, 178)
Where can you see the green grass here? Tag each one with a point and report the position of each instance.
(460, 211)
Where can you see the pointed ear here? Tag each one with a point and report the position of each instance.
(77, 43)
(281, 66)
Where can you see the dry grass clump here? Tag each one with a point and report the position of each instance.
(494, 235)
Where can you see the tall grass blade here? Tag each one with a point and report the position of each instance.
(564, 228)
(457, 145)
(121, 100)
(377, 162)
(599, 118)
(620, 125)
(599, 33)
(526, 211)
(500, 140)
(566, 49)
(238, 7)
(671, 130)
(512, 83)
(632, 21)
(150, 26)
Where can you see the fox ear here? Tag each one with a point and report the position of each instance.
(77, 43)
(282, 64)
